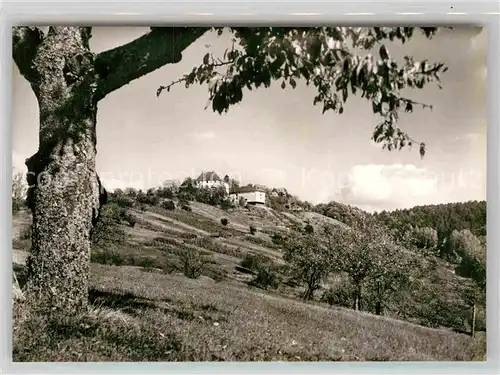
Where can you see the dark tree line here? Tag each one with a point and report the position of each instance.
(445, 218)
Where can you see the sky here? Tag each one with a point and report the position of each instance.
(278, 138)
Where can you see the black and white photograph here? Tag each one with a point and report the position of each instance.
(249, 194)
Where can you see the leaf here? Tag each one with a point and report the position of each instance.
(305, 73)
(219, 32)
(293, 83)
(384, 55)
(205, 58)
(283, 85)
(422, 150)
(344, 95)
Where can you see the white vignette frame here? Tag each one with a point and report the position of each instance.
(125, 13)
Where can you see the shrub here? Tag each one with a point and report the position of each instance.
(253, 262)
(226, 204)
(168, 205)
(340, 295)
(152, 200)
(122, 201)
(192, 263)
(224, 221)
(129, 219)
(185, 205)
(253, 230)
(107, 257)
(165, 192)
(107, 229)
(277, 239)
(266, 278)
(309, 229)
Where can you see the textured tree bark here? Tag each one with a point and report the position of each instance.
(64, 189)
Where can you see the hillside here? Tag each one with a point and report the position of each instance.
(141, 281)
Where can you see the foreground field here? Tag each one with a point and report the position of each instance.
(140, 315)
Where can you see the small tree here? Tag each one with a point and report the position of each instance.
(226, 204)
(193, 263)
(425, 238)
(341, 294)
(473, 295)
(168, 205)
(266, 278)
(131, 192)
(473, 267)
(308, 261)
(309, 229)
(277, 239)
(252, 229)
(367, 254)
(224, 221)
(107, 229)
(253, 261)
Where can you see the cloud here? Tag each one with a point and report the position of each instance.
(376, 186)
(203, 135)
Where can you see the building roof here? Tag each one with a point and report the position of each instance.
(208, 176)
(247, 189)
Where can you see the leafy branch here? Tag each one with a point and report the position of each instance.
(322, 57)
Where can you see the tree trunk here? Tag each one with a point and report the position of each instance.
(312, 285)
(64, 188)
(378, 305)
(473, 333)
(357, 300)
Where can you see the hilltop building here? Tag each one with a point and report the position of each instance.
(208, 180)
(250, 194)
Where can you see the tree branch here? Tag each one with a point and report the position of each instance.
(161, 46)
(25, 42)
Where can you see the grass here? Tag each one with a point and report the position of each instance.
(260, 241)
(137, 316)
(216, 246)
(144, 309)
